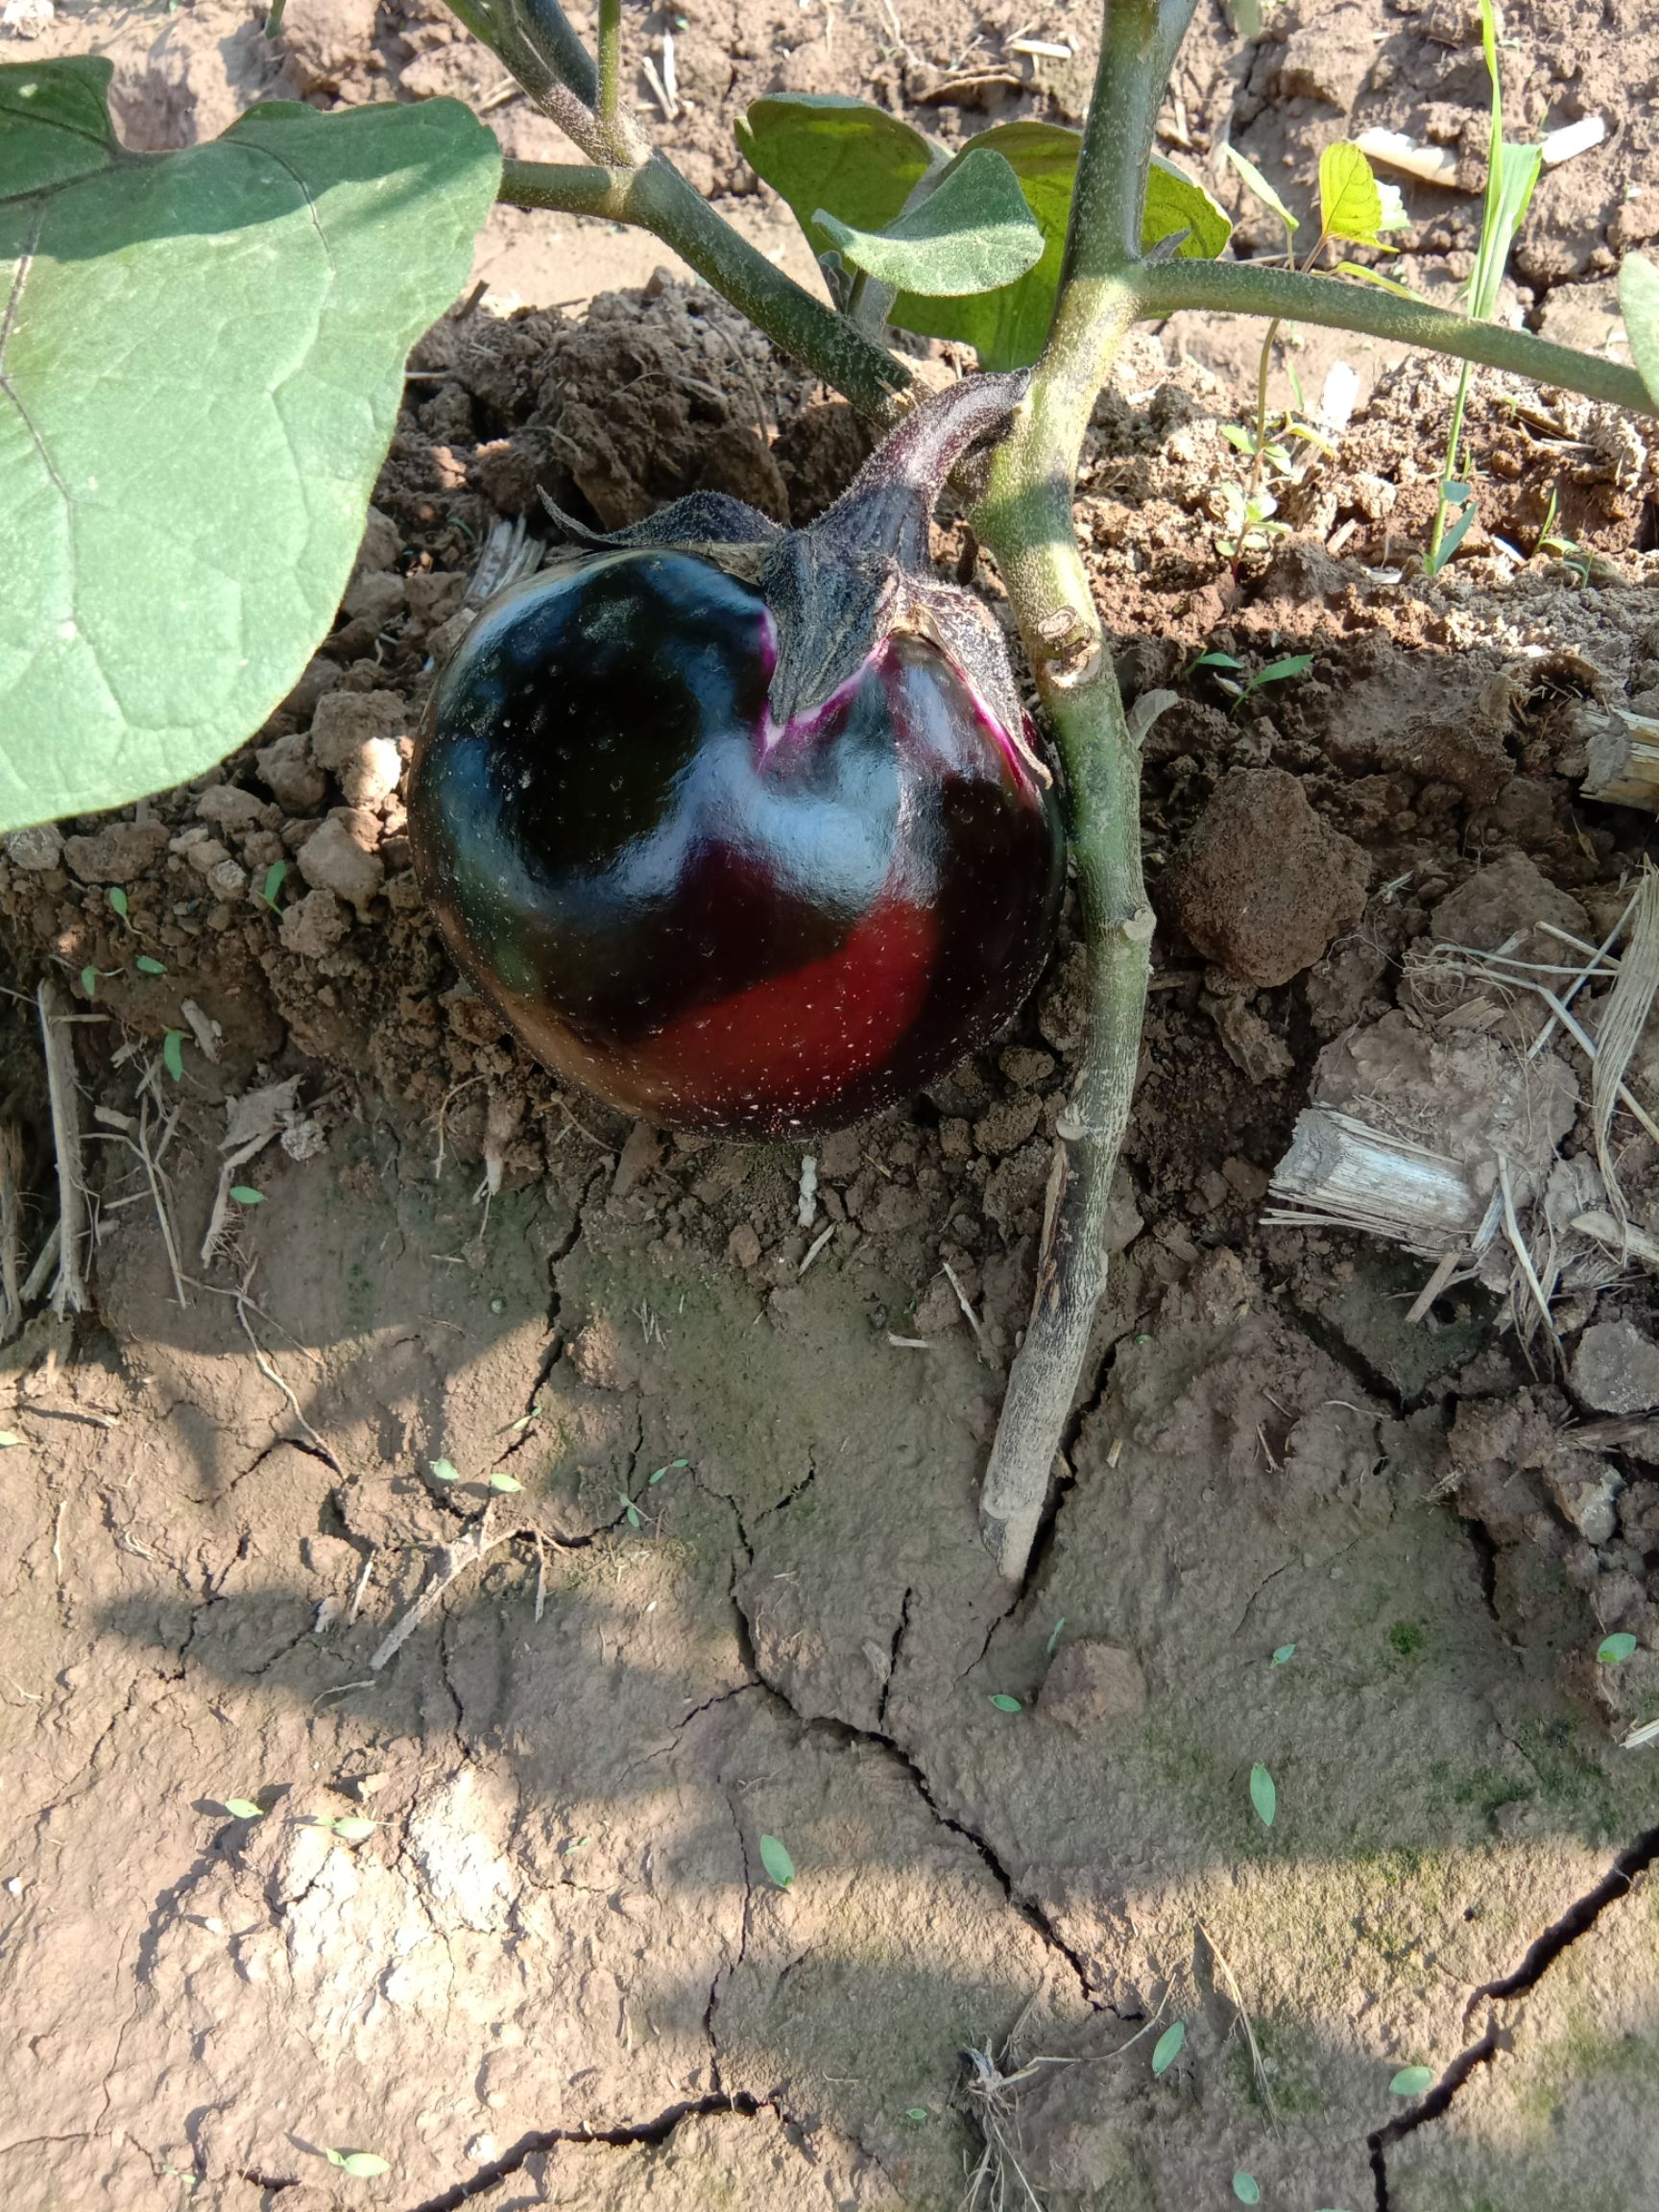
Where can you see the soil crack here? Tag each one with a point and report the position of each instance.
(626, 2136)
(846, 1732)
(1579, 1917)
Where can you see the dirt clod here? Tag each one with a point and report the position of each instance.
(1262, 883)
(1616, 1369)
(1089, 1683)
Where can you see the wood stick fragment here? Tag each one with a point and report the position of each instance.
(69, 1292)
(11, 1230)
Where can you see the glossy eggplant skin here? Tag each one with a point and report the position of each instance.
(712, 924)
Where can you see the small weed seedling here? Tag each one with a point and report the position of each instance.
(1411, 2081)
(361, 2165)
(1038, 248)
(1263, 1796)
(1232, 678)
(778, 1864)
(1511, 177)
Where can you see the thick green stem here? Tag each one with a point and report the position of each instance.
(566, 190)
(1250, 288)
(655, 197)
(610, 44)
(564, 54)
(1025, 520)
(1138, 42)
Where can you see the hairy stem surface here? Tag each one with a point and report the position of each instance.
(1250, 288)
(1025, 519)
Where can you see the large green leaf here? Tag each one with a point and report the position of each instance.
(200, 371)
(821, 150)
(1639, 299)
(1008, 327)
(973, 233)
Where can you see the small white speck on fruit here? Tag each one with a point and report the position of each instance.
(66, 629)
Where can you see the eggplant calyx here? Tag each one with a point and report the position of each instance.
(838, 588)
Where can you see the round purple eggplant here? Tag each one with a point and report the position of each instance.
(758, 854)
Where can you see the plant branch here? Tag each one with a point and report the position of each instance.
(566, 189)
(655, 197)
(610, 44)
(1025, 520)
(564, 53)
(1252, 288)
(1138, 42)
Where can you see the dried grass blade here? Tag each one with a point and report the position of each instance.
(1623, 1018)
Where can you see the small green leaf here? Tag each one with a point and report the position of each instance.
(1411, 2081)
(243, 1809)
(1376, 277)
(1259, 187)
(1278, 671)
(1008, 327)
(274, 875)
(445, 1471)
(1049, 1649)
(827, 150)
(1004, 1703)
(244, 1194)
(1176, 201)
(173, 1054)
(1167, 2048)
(1263, 1796)
(916, 2114)
(146, 963)
(1639, 304)
(10, 1439)
(1284, 1653)
(777, 1861)
(1246, 2188)
(364, 2164)
(502, 1480)
(1210, 661)
(1350, 204)
(1434, 562)
(973, 233)
(118, 900)
(90, 981)
(353, 1828)
(629, 1509)
(580, 1843)
(1614, 1651)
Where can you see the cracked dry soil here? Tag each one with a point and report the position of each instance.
(556, 1972)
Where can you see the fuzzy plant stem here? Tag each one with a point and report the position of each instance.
(1025, 520)
(1251, 288)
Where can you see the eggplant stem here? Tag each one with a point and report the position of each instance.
(1025, 521)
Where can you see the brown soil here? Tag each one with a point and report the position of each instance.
(733, 1589)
